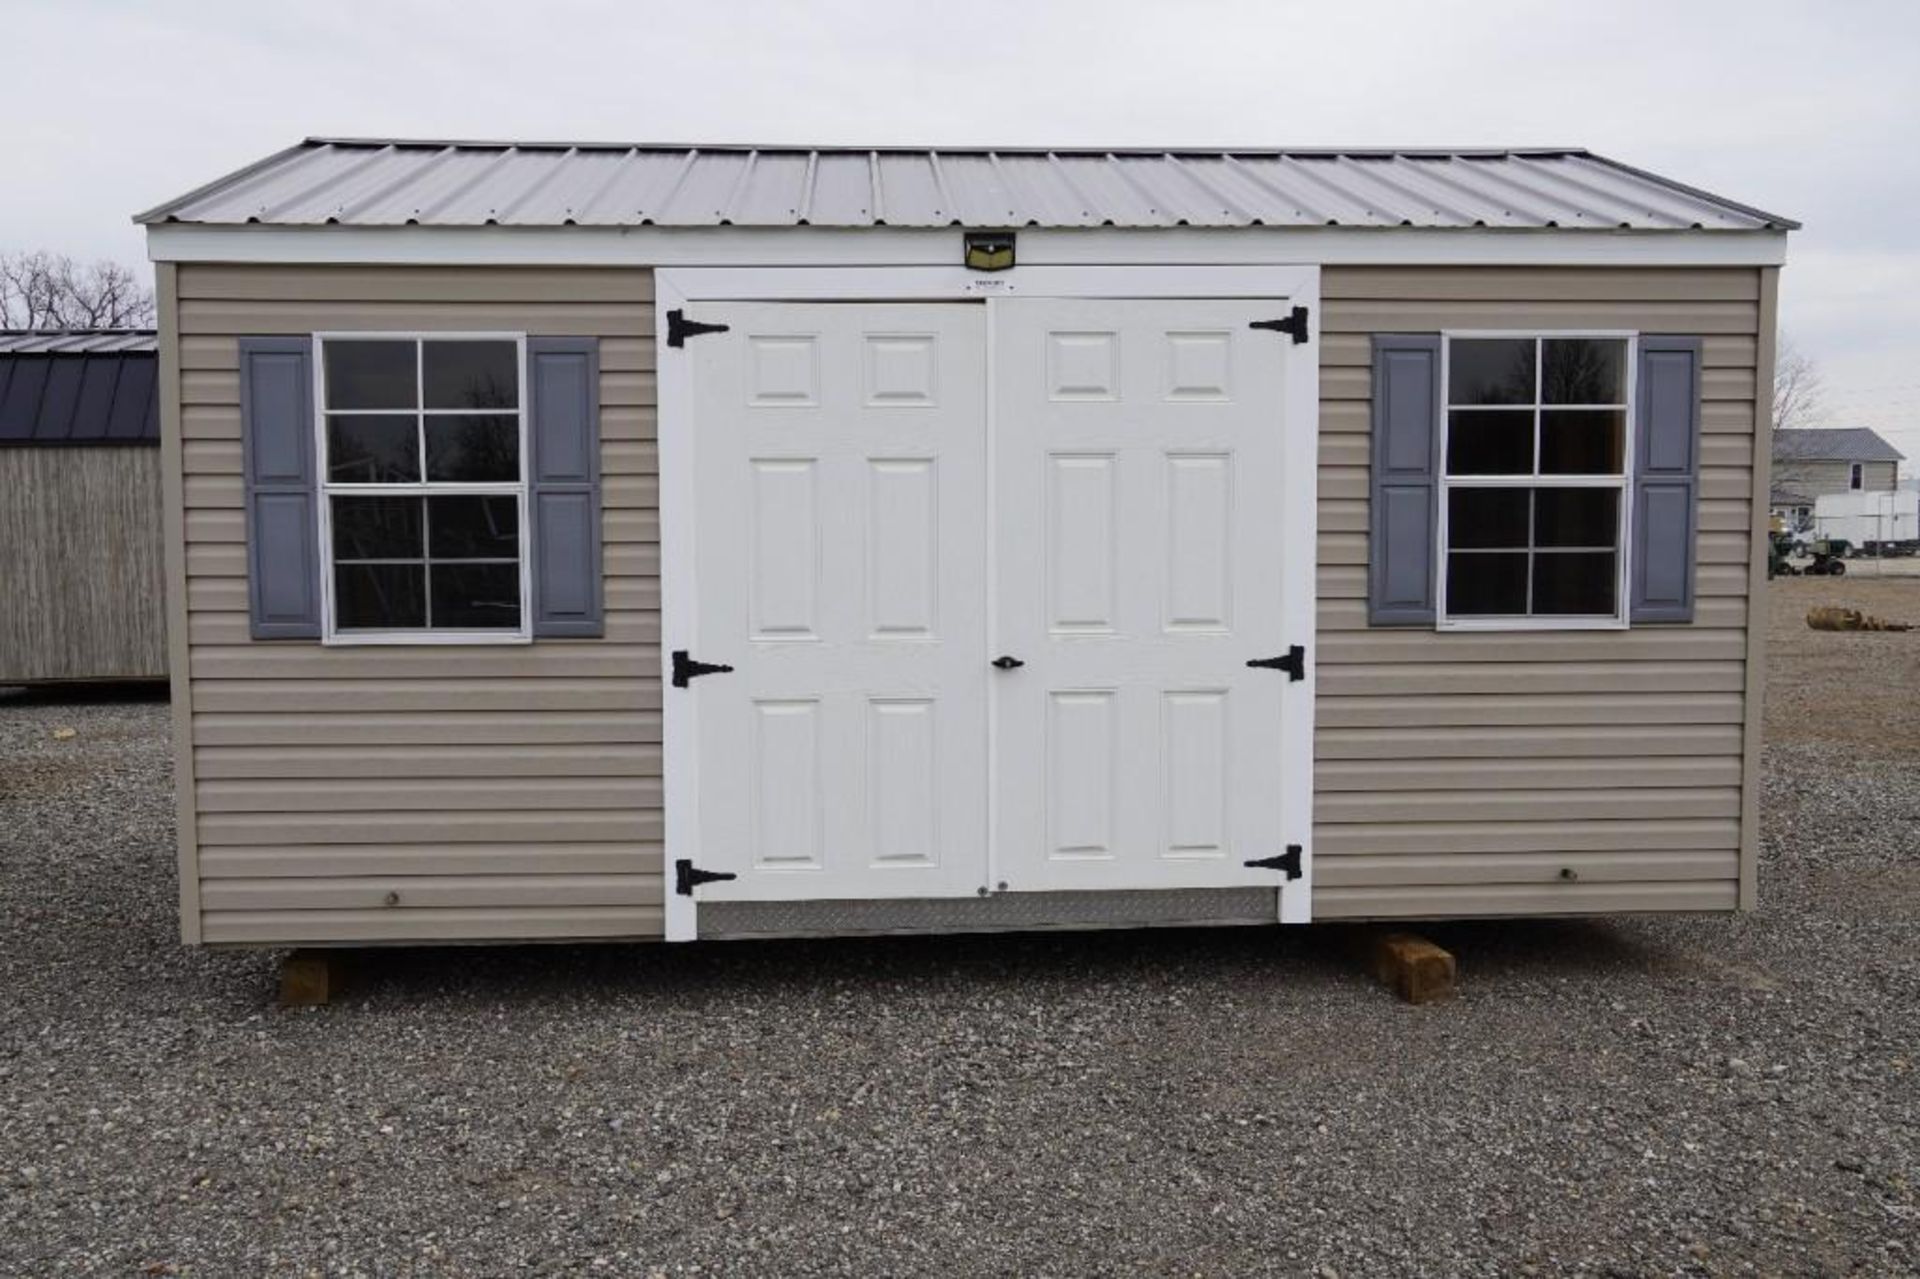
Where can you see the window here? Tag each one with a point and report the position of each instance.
(1534, 495)
(1856, 477)
(423, 490)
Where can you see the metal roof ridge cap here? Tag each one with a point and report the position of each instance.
(1088, 149)
(1774, 220)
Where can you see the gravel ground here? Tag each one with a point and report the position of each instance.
(1630, 1096)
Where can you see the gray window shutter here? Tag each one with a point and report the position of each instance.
(277, 446)
(1666, 479)
(1404, 509)
(564, 494)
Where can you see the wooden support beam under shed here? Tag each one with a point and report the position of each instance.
(311, 978)
(1407, 964)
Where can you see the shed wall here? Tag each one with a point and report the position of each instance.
(499, 791)
(81, 588)
(1819, 478)
(515, 792)
(1464, 774)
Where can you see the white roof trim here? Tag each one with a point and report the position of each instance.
(820, 246)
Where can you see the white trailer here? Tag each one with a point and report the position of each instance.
(1869, 520)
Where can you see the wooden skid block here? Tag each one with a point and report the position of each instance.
(1409, 965)
(310, 978)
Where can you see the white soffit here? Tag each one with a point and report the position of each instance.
(807, 246)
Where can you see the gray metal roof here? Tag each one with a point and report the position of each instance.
(62, 386)
(374, 182)
(1845, 444)
(75, 341)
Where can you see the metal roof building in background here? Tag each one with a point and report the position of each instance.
(66, 387)
(385, 183)
(1844, 444)
(78, 341)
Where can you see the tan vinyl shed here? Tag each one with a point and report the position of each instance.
(638, 542)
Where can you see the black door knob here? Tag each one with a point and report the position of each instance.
(1008, 663)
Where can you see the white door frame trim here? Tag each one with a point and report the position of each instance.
(675, 288)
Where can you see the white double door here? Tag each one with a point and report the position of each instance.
(882, 512)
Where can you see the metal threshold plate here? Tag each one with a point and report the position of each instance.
(1001, 911)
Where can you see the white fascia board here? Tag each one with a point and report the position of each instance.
(888, 246)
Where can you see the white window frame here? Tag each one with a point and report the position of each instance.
(1623, 483)
(1856, 477)
(326, 490)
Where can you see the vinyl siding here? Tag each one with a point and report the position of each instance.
(1818, 479)
(80, 581)
(468, 794)
(419, 794)
(1543, 772)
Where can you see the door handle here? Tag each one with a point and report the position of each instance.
(1006, 663)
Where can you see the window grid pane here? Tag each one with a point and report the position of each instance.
(376, 590)
(1579, 392)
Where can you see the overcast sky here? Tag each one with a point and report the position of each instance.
(1808, 110)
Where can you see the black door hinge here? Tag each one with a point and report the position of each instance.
(686, 669)
(680, 328)
(1288, 861)
(1293, 662)
(1295, 323)
(687, 877)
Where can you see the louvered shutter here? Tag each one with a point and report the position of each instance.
(1666, 479)
(564, 493)
(277, 447)
(1405, 494)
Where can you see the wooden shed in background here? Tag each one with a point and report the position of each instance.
(81, 590)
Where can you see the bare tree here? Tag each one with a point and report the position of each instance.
(1798, 388)
(52, 291)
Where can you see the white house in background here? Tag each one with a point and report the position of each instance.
(1810, 464)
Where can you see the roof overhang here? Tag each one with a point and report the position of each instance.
(894, 246)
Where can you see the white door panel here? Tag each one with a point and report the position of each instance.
(865, 542)
(1140, 460)
(840, 496)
